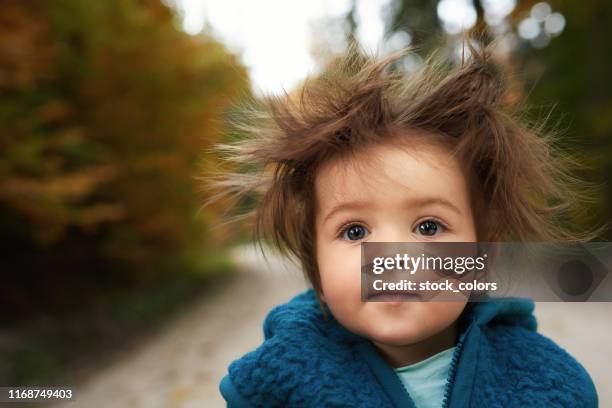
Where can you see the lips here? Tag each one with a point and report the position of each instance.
(393, 296)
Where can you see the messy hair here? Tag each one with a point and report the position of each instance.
(522, 185)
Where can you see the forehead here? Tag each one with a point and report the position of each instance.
(387, 174)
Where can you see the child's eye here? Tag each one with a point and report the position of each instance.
(355, 232)
(429, 228)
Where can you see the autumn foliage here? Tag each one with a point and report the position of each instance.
(105, 109)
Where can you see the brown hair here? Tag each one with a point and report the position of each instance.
(522, 184)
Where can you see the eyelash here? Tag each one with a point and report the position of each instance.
(347, 224)
(437, 220)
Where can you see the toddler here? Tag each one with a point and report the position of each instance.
(366, 153)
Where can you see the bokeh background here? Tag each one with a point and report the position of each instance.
(115, 280)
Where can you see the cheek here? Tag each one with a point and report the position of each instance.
(339, 268)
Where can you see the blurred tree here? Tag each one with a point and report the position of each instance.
(569, 71)
(105, 108)
(419, 19)
(572, 73)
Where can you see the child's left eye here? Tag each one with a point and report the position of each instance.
(429, 228)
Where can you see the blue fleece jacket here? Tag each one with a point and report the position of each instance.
(500, 361)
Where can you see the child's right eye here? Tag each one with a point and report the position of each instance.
(355, 232)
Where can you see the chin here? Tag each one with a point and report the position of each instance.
(395, 336)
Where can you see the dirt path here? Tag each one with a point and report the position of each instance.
(183, 366)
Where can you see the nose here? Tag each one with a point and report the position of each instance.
(395, 232)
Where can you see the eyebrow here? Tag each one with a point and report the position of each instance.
(349, 205)
(412, 202)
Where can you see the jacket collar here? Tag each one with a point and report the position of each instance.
(463, 372)
(504, 311)
(304, 309)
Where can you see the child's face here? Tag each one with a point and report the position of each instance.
(388, 194)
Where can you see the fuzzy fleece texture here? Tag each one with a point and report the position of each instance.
(309, 361)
